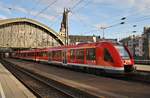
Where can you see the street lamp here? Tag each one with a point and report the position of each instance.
(123, 18)
(122, 23)
(134, 25)
(134, 31)
(133, 39)
(10, 8)
(103, 28)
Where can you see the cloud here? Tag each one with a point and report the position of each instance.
(115, 2)
(137, 4)
(20, 9)
(59, 6)
(142, 4)
(78, 16)
(8, 9)
(4, 8)
(101, 25)
(3, 17)
(42, 15)
(47, 17)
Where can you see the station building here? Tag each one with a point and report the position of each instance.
(139, 45)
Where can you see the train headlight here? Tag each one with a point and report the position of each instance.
(126, 62)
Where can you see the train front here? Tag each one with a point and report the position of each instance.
(127, 58)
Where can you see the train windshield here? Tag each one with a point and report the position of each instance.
(123, 53)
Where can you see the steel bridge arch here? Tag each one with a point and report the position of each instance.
(50, 31)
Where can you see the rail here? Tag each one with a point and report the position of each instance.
(44, 86)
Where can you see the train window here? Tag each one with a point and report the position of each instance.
(72, 54)
(107, 56)
(28, 54)
(44, 53)
(53, 54)
(38, 53)
(50, 55)
(80, 53)
(24, 54)
(57, 53)
(123, 53)
(32, 53)
(90, 54)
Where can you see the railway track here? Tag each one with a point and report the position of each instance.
(141, 76)
(138, 76)
(43, 87)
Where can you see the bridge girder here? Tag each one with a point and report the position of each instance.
(19, 32)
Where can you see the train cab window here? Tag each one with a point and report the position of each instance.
(80, 53)
(123, 52)
(107, 56)
(90, 54)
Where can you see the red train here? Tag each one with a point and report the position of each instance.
(106, 56)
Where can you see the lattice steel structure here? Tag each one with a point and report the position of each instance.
(27, 33)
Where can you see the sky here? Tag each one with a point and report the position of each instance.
(86, 17)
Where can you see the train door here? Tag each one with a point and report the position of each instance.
(108, 59)
(49, 55)
(64, 55)
(91, 56)
(72, 56)
(80, 56)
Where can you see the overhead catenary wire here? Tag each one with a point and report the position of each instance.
(81, 20)
(44, 9)
(88, 24)
(131, 14)
(56, 19)
(135, 14)
(82, 7)
(36, 4)
(78, 3)
(74, 12)
(143, 18)
(70, 10)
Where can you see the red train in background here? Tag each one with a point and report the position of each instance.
(106, 56)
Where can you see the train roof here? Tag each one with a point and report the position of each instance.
(88, 45)
(80, 45)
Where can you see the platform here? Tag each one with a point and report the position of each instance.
(141, 67)
(10, 87)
